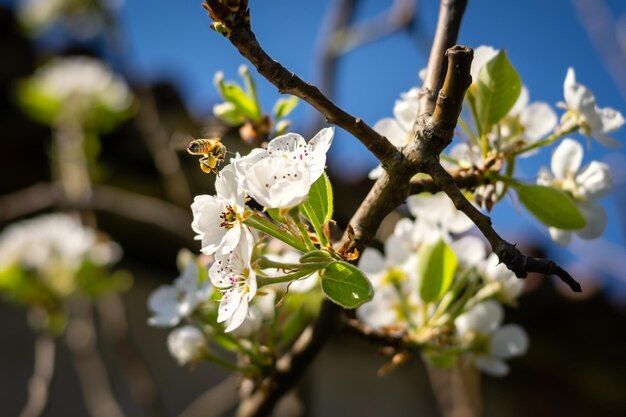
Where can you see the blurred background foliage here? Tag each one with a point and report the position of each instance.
(144, 182)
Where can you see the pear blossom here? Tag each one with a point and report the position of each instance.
(585, 185)
(393, 290)
(169, 304)
(509, 286)
(439, 211)
(260, 310)
(233, 275)
(186, 344)
(80, 84)
(526, 123)
(58, 239)
(83, 17)
(504, 342)
(482, 55)
(218, 220)
(281, 175)
(398, 129)
(583, 111)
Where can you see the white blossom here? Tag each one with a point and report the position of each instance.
(281, 175)
(218, 220)
(585, 185)
(233, 275)
(186, 344)
(509, 286)
(504, 342)
(169, 304)
(398, 129)
(80, 84)
(438, 210)
(58, 239)
(583, 110)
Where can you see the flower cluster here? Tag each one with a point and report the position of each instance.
(459, 320)
(278, 177)
(79, 88)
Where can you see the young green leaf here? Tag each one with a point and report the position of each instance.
(242, 102)
(346, 285)
(499, 86)
(284, 106)
(318, 207)
(550, 206)
(435, 270)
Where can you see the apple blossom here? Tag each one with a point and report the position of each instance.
(186, 344)
(233, 275)
(218, 219)
(582, 111)
(585, 186)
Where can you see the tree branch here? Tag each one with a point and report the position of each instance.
(235, 25)
(448, 25)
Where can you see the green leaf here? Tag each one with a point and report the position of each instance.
(435, 270)
(318, 207)
(36, 104)
(242, 102)
(499, 86)
(550, 206)
(346, 285)
(284, 106)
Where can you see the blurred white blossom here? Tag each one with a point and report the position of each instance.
(169, 304)
(186, 344)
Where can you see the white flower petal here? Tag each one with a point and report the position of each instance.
(538, 120)
(594, 180)
(186, 344)
(229, 304)
(287, 145)
(470, 250)
(375, 173)
(606, 140)
(567, 158)
(509, 341)
(492, 366)
(405, 110)
(483, 318)
(391, 129)
(562, 237)
(596, 219)
(521, 103)
(238, 316)
(278, 182)
(371, 261)
(482, 55)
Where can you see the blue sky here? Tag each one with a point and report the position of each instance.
(172, 39)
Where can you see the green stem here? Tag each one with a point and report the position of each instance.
(547, 141)
(263, 280)
(259, 222)
(265, 263)
(468, 131)
(304, 232)
(510, 169)
(316, 225)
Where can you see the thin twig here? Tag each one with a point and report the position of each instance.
(39, 383)
(463, 180)
(448, 26)
(241, 36)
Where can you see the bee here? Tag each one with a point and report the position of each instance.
(212, 151)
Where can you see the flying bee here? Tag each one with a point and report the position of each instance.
(212, 151)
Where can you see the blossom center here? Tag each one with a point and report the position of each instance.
(229, 217)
